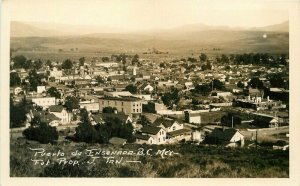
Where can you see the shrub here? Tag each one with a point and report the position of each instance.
(42, 133)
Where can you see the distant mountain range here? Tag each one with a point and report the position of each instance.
(193, 37)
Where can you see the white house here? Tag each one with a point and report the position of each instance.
(167, 124)
(60, 112)
(158, 134)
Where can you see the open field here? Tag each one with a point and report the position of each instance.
(191, 161)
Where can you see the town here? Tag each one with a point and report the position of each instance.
(231, 100)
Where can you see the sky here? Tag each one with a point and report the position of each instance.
(136, 15)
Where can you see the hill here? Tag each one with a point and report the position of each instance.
(185, 39)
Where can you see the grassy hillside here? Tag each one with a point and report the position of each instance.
(192, 161)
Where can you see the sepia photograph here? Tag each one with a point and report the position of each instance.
(148, 89)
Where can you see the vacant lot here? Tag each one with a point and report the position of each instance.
(191, 161)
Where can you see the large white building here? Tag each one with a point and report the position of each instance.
(44, 102)
(129, 105)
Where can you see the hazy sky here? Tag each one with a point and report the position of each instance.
(150, 14)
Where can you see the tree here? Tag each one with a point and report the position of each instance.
(81, 61)
(240, 84)
(203, 57)
(204, 90)
(144, 120)
(224, 58)
(71, 103)
(67, 64)
(109, 110)
(19, 61)
(38, 64)
(256, 83)
(53, 92)
(34, 79)
(49, 63)
(86, 131)
(230, 119)
(28, 65)
(105, 59)
(217, 84)
(42, 133)
(15, 80)
(171, 98)
(131, 88)
(135, 60)
(17, 113)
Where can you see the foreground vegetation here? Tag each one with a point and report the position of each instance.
(192, 161)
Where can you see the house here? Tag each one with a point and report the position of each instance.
(60, 112)
(229, 137)
(101, 117)
(44, 102)
(178, 135)
(144, 139)
(146, 87)
(169, 125)
(158, 134)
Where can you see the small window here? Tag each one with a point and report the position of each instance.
(174, 128)
(122, 103)
(133, 110)
(158, 139)
(122, 109)
(115, 102)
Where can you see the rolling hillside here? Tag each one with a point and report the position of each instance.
(187, 38)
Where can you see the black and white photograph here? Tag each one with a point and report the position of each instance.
(148, 88)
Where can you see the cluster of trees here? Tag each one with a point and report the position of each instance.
(18, 113)
(109, 110)
(120, 57)
(252, 58)
(53, 92)
(171, 98)
(15, 80)
(205, 89)
(101, 133)
(71, 103)
(135, 60)
(21, 61)
(131, 88)
(40, 131)
(231, 119)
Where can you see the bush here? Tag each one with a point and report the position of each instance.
(42, 133)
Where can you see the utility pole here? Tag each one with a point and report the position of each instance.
(231, 121)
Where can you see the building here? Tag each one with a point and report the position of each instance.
(156, 133)
(44, 102)
(129, 105)
(60, 112)
(40, 89)
(228, 137)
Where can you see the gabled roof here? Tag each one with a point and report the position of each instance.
(164, 122)
(221, 134)
(150, 129)
(56, 108)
